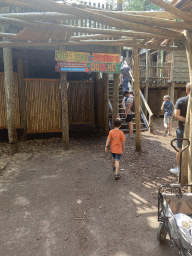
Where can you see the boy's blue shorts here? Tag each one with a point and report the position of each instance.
(116, 156)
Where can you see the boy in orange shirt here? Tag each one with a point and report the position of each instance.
(116, 138)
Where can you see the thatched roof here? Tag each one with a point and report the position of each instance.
(54, 23)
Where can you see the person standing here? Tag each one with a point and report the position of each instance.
(168, 107)
(180, 112)
(125, 70)
(116, 138)
(129, 113)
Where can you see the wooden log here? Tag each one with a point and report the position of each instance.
(115, 103)
(137, 101)
(185, 155)
(151, 21)
(172, 9)
(10, 95)
(146, 94)
(189, 118)
(22, 101)
(156, 14)
(64, 107)
(105, 127)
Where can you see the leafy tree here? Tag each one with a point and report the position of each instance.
(139, 5)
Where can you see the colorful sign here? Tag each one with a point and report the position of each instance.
(105, 67)
(85, 62)
(106, 57)
(72, 56)
(71, 67)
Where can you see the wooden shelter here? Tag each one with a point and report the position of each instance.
(58, 24)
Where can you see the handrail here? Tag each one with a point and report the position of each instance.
(150, 122)
(146, 104)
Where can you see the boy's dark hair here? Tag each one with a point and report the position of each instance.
(131, 92)
(125, 93)
(117, 122)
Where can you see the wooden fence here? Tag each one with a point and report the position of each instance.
(43, 104)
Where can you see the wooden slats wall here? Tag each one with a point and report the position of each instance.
(100, 90)
(43, 104)
(3, 114)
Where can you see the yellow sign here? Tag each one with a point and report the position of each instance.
(71, 56)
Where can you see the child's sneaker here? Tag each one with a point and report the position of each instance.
(117, 176)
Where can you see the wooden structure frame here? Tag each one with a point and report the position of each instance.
(56, 24)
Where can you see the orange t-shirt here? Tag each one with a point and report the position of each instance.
(116, 137)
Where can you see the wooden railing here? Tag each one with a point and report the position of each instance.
(156, 71)
(146, 112)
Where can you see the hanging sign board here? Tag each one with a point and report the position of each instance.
(85, 62)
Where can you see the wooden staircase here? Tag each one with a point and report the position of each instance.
(124, 126)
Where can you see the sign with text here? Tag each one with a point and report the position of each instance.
(85, 62)
(105, 67)
(71, 67)
(72, 56)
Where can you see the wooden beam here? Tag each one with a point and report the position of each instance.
(41, 15)
(22, 100)
(151, 21)
(105, 127)
(137, 101)
(115, 103)
(7, 35)
(64, 108)
(170, 8)
(10, 95)
(188, 42)
(81, 14)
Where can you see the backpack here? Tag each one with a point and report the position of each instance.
(133, 106)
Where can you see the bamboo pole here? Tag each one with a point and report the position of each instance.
(137, 101)
(64, 107)
(10, 97)
(106, 105)
(115, 102)
(172, 9)
(22, 100)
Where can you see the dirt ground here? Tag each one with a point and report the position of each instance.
(57, 202)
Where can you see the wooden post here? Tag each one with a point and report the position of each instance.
(105, 127)
(22, 101)
(172, 91)
(137, 101)
(146, 92)
(115, 104)
(95, 78)
(64, 109)
(159, 102)
(189, 57)
(10, 97)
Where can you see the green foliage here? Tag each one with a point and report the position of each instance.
(139, 5)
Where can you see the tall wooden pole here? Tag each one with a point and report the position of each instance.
(172, 91)
(64, 109)
(10, 95)
(137, 101)
(22, 101)
(106, 105)
(189, 127)
(115, 104)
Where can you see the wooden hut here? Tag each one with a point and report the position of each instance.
(54, 25)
